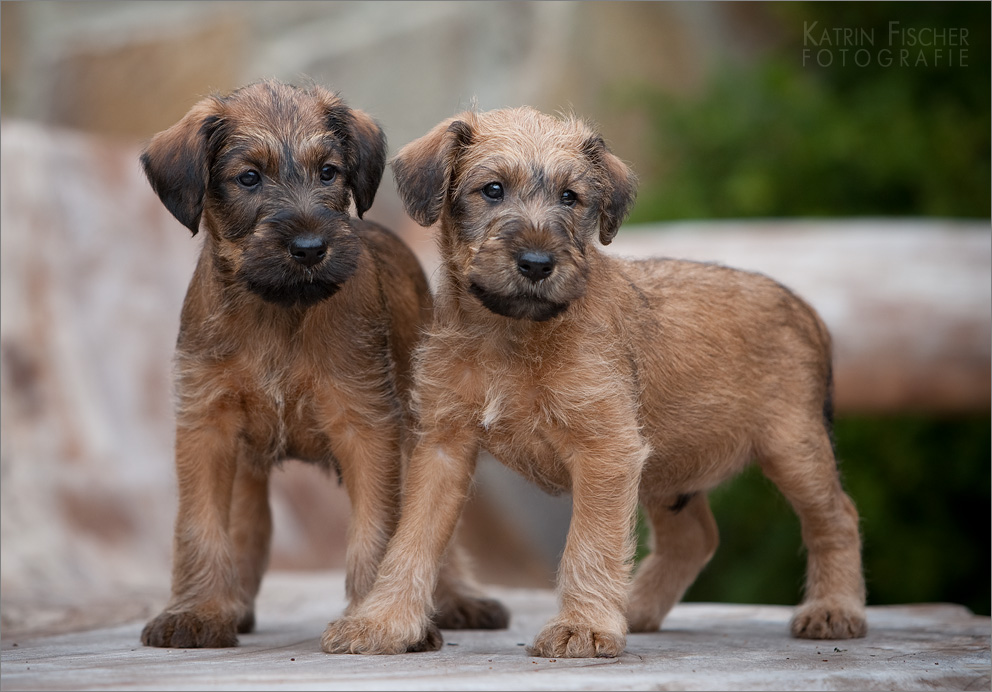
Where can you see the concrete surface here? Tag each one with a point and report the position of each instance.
(702, 647)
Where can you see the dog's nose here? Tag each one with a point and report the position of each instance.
(535, 265)
(308, 250)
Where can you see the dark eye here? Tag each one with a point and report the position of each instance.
(493, 191)
(569, 198)
(328, 173)
(249, 178)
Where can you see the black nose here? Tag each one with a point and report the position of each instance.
(308, 250)
(535, 265)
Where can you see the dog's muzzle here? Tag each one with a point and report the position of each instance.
(301, 259)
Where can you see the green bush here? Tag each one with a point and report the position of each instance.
(921, 486)
(782, 139)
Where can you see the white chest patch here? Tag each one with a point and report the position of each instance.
(493, 408)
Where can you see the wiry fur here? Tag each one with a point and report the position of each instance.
(652, 382)
(278, 358)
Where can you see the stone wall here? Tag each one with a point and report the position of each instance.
(132, 69)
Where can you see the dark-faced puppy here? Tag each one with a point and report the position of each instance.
(294, 342)
(623, 382)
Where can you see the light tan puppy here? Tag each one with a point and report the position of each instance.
(619, 381)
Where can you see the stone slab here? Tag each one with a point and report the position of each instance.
(701, 647)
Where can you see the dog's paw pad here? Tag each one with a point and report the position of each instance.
(473, 614)
(188, 630)
(823, 619)
(577, 640)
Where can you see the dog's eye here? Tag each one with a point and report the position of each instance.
(249, 178)
(493, 191)
(569, 198)
(328, 173)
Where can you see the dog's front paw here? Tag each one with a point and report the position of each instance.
(469, 613)
(360, 635)
(189, 630)
(830, 619)
(563, 639)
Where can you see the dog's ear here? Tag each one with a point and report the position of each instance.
(618, 187)
(365, 150)
(424, 167)
(177, 161)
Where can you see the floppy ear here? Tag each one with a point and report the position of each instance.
(618, 187)
(177, 161)
(423, 168)
(365, 150)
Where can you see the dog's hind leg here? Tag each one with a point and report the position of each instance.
(458, 601)
(798, 457)
(684, 537)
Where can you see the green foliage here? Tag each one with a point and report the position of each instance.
(783, 139)
(923, 489)
(921, 486)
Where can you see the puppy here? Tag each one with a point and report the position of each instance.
(294, 342)
(623, 382)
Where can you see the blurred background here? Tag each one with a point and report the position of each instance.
(841, 148)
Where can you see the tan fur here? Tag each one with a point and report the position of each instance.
(618, 381)
(285, 358)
